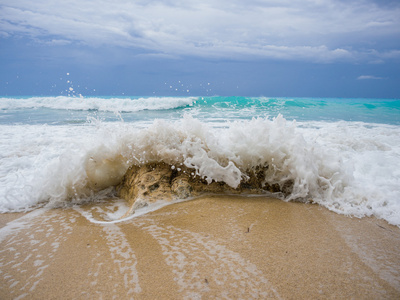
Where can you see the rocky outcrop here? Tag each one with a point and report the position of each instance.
(150, 182)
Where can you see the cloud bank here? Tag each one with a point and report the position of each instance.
(307, 30)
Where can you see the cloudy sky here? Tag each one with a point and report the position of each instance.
(317, 48)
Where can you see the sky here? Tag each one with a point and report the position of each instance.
(272, 48)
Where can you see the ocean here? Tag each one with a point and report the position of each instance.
(343, 154)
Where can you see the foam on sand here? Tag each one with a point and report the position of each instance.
(212, 247)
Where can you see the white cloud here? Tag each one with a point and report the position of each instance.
(56, 42)
(312, 30)
(364, 77)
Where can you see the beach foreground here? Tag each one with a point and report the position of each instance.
(212, 247)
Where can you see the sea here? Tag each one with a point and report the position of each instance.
(340, 153)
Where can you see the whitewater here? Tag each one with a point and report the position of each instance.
(343, 154)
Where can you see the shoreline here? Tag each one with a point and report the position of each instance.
(210, 247)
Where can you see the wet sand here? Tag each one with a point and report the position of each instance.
(213, 247)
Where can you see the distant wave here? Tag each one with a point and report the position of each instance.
(302, 109)
(97, 104)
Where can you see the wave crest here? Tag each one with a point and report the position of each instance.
(230, 155)
(97, 104)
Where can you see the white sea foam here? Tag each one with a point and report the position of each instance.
(347, 167)
(371, 153)
(14, 239)
(123, 255)
(188, 253)
(99, 104)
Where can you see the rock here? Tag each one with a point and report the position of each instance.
(151, 182)
(181, 187)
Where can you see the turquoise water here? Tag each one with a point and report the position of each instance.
(65, 110)
(306, 109)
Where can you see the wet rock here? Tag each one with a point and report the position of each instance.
(181, 187)
(151, 182)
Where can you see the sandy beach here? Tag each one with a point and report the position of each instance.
(214, 247)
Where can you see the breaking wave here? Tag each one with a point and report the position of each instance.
(97, 104)
(73, 164)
